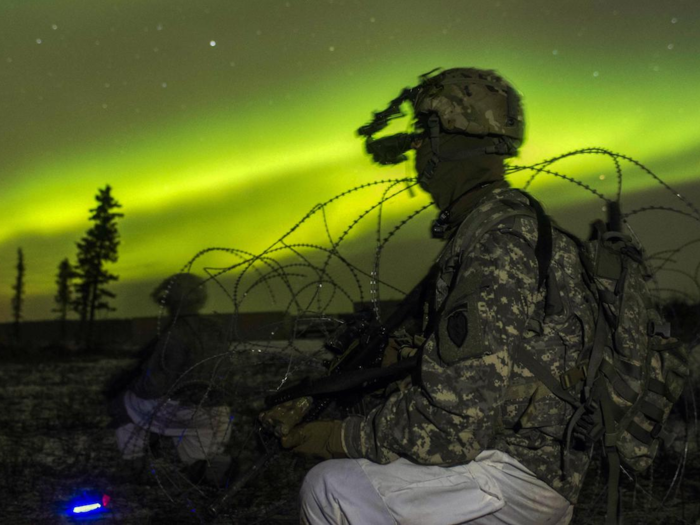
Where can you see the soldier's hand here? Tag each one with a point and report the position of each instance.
(281, 419)
(318, 439)
(401, 345)
(391, 352)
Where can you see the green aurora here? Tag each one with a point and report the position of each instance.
(222, 123)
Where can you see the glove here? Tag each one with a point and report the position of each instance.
(391, 352)
(318, 439)
(281, 419)
(401, 345)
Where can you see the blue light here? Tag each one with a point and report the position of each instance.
(86, 508)
(89, 504)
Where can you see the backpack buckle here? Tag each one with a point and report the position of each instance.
(441, 225)
(572, 377)
(660, 329)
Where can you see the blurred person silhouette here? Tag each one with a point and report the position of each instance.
(170, 392)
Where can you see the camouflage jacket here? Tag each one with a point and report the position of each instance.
(472, 394)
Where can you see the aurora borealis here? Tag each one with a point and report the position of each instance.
(221, 123)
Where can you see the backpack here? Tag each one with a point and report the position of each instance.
(629, 376)
(633, 372)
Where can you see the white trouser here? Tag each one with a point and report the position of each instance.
(494, 489)
(198, 432)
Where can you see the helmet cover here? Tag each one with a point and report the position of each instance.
(472, 101)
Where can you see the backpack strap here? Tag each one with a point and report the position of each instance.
(545, 376)
(489, 214)
(606, 405)
(544, 247)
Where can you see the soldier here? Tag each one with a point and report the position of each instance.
(473, 437)
(169, 393)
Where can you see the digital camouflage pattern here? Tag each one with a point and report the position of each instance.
(471, 393)
(472, 101)
(644, 368)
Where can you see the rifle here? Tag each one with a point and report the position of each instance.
(360, 346)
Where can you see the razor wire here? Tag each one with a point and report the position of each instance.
(309, 278)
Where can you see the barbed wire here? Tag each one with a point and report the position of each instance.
(307, 279)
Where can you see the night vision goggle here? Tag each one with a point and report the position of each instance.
(392, 149)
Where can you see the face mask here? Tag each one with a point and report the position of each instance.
(453, 179)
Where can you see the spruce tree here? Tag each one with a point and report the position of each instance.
(64, 295)
(95, 249)
(18, 297)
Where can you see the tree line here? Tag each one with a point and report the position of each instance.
(82, 284)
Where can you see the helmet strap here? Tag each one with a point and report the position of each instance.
(434, 131)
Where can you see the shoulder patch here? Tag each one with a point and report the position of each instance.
(459, 334)
(457, 327)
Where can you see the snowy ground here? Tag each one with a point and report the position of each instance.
(54, 443)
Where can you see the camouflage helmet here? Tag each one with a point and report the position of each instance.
(182, 293)
(472, 101)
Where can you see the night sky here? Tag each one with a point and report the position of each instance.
(221, 123)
